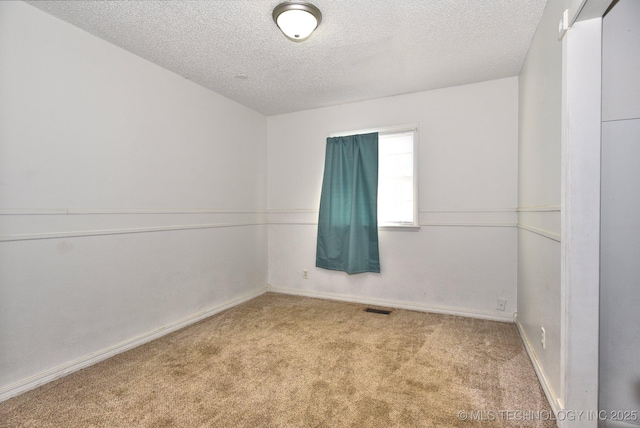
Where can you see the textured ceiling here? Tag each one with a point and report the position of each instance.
(363, 49)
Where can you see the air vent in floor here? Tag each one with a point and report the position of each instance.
(378, 311)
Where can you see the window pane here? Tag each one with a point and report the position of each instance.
(395, 179)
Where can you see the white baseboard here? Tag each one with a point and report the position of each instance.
(394, 304)
(54, 373)
(617, 424)
(555, 404)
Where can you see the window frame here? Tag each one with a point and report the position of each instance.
(389, 130)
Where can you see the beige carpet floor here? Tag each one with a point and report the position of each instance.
(287, 361)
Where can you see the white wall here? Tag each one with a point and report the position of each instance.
(115, 179)
(620, 224)
(621, 62)
(464, 256)
(539, 177)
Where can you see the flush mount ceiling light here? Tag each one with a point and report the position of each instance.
(297, 20)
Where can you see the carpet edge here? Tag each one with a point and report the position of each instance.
(44, 377)
(392, 304)
(553, 400)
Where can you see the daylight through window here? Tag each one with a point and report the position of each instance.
(397, 193)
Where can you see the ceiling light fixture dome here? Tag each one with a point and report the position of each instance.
(297, 20)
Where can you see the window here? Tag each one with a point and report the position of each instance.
(397, 176)
(397, 190)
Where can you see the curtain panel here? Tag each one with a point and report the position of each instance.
(348, 218)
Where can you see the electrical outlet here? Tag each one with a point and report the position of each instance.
(502, 304)
(305, 273)
(543, 338)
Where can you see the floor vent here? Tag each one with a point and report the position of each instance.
(378, 311)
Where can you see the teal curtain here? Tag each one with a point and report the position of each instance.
(348, 219)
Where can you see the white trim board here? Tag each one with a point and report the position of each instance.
(406, 127)
(86, 233)
(617, 424)
(94, 211)
(544, 382)
(462, 210)
(539, 209)
(545, 233)
(127, 231)
(486, 315)
(426, 224)
(54, 373)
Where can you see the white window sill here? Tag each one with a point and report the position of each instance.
(399, 228)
